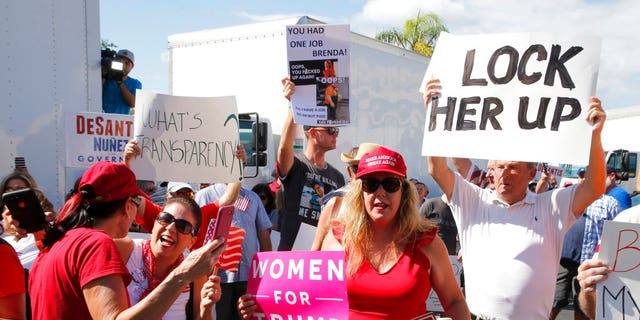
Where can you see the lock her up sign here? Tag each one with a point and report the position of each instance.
(505, 95)
(299, 285)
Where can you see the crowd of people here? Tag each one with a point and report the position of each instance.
(525, 248)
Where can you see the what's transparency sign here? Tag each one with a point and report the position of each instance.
(299, 285)
(192, 139)
(618, 297)
(91, 137)
(509, 96)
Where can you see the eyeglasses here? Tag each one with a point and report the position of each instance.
(137, 201)
(390, 185)
(184, 194)
(183, 226)
(330, 130)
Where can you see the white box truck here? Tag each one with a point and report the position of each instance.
(248, 62)
(50, 65)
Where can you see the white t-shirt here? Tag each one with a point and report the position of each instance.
(139, 284)
(631, 215)
(26, 249)
(510, 253)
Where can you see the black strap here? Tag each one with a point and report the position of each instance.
(189, 307)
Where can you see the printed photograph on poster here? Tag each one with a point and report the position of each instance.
(319, 66)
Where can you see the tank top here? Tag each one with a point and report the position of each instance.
(139, 284)
(399, 293)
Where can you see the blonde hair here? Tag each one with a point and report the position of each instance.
(358, 231)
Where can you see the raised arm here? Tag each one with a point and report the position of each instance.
(462, 165)
(285, 150)
(438, 167)
(107, 296)
(593, 185)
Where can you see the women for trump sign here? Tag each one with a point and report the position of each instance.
(299, 285)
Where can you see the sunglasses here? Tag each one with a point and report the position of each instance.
(390, 185)
(137, 201)
(183, 226)
(331, 130)
(184, 194)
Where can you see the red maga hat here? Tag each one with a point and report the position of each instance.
(382, 160)
(107, 181)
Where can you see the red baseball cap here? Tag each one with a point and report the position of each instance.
(382, 160)
(109, 182)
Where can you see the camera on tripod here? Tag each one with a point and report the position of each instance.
(112, 65)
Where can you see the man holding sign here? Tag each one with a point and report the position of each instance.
(510, 237)
(303, 176)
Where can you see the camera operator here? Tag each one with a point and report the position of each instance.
(118, 92)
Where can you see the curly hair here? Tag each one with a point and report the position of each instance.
(358, 231)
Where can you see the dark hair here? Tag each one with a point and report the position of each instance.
(263, 188)
(192, 206)
(78, 212)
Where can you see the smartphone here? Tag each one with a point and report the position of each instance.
(25, 208)
(19, 162)
(219, 227)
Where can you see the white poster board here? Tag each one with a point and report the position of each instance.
(433, 303)
(92, 137)
(189, 139)
(618, 297)
(512, 96)
(318, 58)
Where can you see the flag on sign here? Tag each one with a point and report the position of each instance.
(242, 203)
(230, 258)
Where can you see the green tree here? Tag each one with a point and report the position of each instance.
(419, 34)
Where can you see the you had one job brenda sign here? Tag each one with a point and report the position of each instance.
(509, 96)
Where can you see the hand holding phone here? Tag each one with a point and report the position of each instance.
(220, 226)
(25, 208)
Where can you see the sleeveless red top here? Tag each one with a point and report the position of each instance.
(399, 293)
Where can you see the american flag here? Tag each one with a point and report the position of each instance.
(230, 258)
(242, 203)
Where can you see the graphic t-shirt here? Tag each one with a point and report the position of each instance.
(304, 186)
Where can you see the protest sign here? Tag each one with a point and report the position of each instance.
(319, 66)
(191, 139)
(299, 285)
(618, 297)
(92, 137)
(512, 97)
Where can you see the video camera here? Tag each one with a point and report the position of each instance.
(112, 66)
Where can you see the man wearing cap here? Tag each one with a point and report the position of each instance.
(299, 172)
(511, 238)
(179, 189)
(614, 190)
(119, 96)
(332, 202)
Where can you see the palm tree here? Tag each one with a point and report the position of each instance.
(419, 34)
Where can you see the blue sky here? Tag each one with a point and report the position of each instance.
(144, 25)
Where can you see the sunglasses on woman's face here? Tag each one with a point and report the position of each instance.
(183, 226)
(390, 185)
